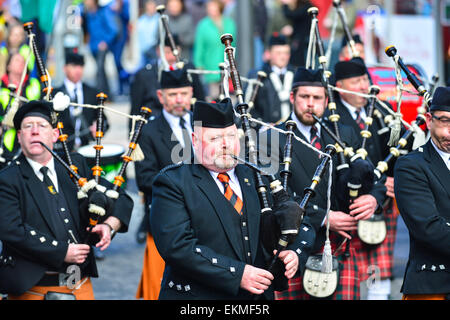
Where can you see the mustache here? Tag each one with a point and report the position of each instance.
(230, 153)
(181, 106)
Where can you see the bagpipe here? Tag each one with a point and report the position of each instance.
(334, 117)
(378, 112)
(285, 173)
(280, 222)
(165, 32)
(95, 200)
(348, 35)
(261, 75)
(394, 151)
(221, 84)
(254, 84)
(373, 230)
(356, 175)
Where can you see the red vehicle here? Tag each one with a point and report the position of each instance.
(384, 77)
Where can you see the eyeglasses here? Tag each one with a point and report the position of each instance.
(445, 122)
(30, 125)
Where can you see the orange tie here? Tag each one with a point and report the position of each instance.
(236, 202)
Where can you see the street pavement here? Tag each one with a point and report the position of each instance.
(120, 271)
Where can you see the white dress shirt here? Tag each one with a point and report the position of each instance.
(444, 155)
(279, 71)
(305, 129)
(234, 182)
(70, 86)
(75, 111)
(353, 110)
(174, 123)
(51, 171)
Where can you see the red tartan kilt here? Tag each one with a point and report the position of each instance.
(348, 287)
(374, 258)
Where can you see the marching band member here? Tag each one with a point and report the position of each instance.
(146, 81)
(79, 123)
(205, 218)
(422, 190)
(352, 75)
(308, 96)
(42, 223)
(165, 140)
(272, 101)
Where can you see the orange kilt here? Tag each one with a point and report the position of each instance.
(152, 272)
(424, 296)
(85, 292)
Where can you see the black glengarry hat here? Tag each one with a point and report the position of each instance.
(35, 108)
(307, 77)
(441, 99)
(74, 58)
(277, 39)
(214, 115)
(356, 38)
(175, 79)
(175, 38)
(354, 67)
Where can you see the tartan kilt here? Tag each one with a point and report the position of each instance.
(348, 286)
(378, 257)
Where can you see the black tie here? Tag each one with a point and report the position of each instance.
(182, 123)
(184, 130)
(359, 120)
(48, 183)
(314, 138)
(75, 95)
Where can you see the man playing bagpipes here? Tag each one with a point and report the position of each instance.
(309, 99)
(353, 110)
(272, 101)
(47, 250)
(165, 140)
(147, 80)
(206, 219)
(422, 190)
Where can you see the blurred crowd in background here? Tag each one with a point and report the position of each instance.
(128, 32)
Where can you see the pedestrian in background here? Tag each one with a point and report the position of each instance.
(208, 50)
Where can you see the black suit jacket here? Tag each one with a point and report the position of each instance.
(375, 146)
(195, 233)
(422, 190)
(267, 103)
(303, 166)
(145, 83)
(88, 116)
(28, 227)
(160, 148)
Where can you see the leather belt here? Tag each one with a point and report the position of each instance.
(55, 279)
